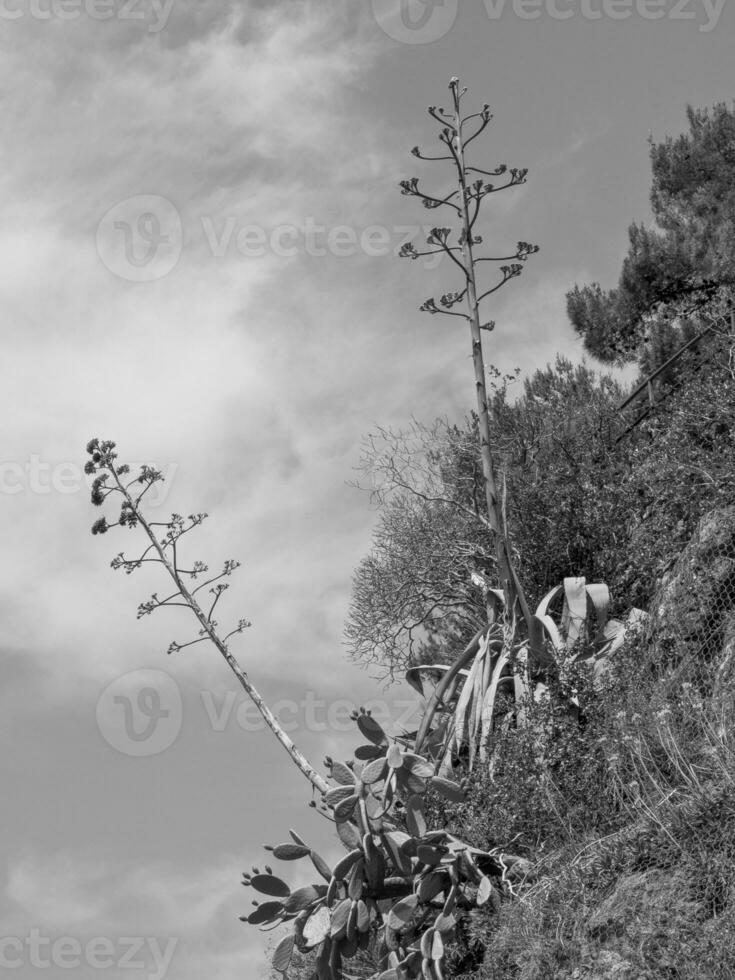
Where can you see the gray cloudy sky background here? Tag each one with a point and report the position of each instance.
(250, 380)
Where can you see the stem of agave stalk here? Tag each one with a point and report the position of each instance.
(297, 757)
(509, 579)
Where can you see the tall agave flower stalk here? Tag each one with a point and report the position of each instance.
(519, 647)
(457, 133)
(112, 480)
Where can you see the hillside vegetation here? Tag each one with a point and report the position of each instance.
(624, 804)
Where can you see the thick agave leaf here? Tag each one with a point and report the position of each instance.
(574, 614)
(579, 599)
(270, 885)
(474, 711)
(599, 595)
(283, 954)
(459, 726)
(413, 674)
(489, 704)
(539, 626)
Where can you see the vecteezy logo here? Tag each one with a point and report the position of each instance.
(415, 21)
(140, 713)
(140, 239)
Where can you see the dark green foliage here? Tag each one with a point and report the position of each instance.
(680, 465)
(579, 503)
(689, 257)
(563, 474)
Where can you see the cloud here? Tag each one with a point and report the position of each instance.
(234, 113)
(185, 919)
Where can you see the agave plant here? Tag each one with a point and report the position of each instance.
(462, 711)
(399, 887)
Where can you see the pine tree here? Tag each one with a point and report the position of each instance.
(683, 262)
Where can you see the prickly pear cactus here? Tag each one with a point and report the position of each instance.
(398, 888)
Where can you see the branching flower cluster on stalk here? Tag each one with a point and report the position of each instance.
(465, 202)
(111, 481)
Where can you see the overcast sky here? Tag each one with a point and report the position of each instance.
(199, 220)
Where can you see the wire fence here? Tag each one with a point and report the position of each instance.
(692, 623)
(657, 386)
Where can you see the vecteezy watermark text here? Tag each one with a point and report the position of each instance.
(141, 713)
(40, 952)
(141, 239)
(310, 237)
(154, 12)
(426, 21)
(686, 10)
(38, 476)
